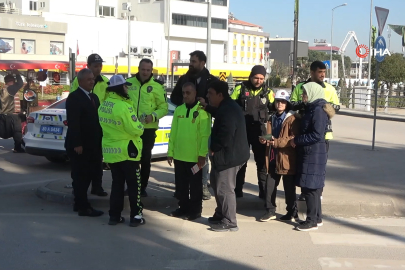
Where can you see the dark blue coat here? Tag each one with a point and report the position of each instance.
(311, 146)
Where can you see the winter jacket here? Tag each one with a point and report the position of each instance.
(311, 146)
(286, 155)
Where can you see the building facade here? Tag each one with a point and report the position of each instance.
(282, 50)
(320, 45)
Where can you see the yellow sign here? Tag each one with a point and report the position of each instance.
(222, 76)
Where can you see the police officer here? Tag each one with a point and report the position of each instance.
(149, 99)
(188, 146)
(122, 147)
(318, 70)
(95, 64)
(256, 100)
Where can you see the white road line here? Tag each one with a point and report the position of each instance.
(357, 240)
(360, 264)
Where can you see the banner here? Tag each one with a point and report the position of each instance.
(6, 45)
(27, 46)
(56, 48)
(400, 30)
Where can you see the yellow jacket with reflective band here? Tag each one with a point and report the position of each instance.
(189, 133)
(99, 89)
(330, 96)
(236, 92)
(148, 98)
(121, 129)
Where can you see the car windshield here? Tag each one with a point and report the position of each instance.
(61, 104)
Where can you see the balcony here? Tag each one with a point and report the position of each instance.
(8, 10)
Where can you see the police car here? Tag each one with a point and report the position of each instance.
(46, 129)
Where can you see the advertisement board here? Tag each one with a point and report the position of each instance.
(27, 46)
(6, 45)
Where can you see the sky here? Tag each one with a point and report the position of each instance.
(315, 19)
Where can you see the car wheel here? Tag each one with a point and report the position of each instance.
(56, 159)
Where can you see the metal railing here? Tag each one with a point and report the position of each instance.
(363, 98)
(9, 10)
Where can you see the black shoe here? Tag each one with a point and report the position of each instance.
(319, 223)
(144, 193)
(192, 216)
(289, 217)
(222, 227)
(135, 222)
(239, 194)
(206, 193)
(99, 192)
(307, 226)
(268, 216)
(90, 212)
(215, 219)
(114, 221)
(178, 213)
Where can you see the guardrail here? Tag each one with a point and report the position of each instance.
(363, 98)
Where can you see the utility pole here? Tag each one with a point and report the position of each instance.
(296, 12)
(168, 44)
(209, 35)
(129, 40)
(371, 45)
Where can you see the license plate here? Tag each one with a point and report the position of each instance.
(51, 130)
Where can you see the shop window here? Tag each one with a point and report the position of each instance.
(197, 21)
(56, 48)
(27, 46)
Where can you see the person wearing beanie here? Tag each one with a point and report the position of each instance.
(95, 64)
(256, 101)
(9, 110)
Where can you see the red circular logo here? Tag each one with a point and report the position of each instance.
(358, 51)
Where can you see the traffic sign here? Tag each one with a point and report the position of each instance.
(380, 46)
(382, 15)
(222, 76)
(327, 64)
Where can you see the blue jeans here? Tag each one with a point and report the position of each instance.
(206, 169)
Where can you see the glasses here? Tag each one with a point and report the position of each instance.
(281, 100)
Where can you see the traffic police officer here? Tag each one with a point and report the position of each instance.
(256, 101)
(122, 147)
(95, 64)
(149, 99)
(318, 70)
(188, 146)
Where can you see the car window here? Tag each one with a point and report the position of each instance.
(172, 107)
(58, 105)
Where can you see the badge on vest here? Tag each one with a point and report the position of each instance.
(134, 118)
(195, 115)
(263, 100)
(149, 89)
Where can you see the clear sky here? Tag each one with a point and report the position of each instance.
(276, 17)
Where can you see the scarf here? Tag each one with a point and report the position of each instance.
(314, 91)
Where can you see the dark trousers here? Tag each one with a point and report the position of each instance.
(223, 183)
(259, 152)
(313, 201)
(84, 168)
(273, 179)
(148, 139)
(125, 172)
(17, 130)
(189, 189)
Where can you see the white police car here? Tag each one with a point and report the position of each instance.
(46, 129)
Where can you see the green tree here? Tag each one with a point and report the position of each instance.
(392, 70)
(279, 69)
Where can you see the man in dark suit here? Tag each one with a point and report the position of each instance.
(83, 140)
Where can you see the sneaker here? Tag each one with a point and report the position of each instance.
(307, 226)
(289, 217)
(178, 213)
(114, 221)
(206, 193)
(319, 223)
(135, 222)
(144, 193)
(222, 227)
(214, 219)
(268, 216)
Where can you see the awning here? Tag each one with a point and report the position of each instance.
(30, 64)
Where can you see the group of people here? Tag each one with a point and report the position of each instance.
(115, 121)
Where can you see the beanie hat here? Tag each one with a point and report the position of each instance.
(258, 69)
(9, 78)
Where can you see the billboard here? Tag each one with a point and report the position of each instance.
(27, 46)
(6, 45)
(56, 48)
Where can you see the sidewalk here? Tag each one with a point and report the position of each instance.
(397, 115)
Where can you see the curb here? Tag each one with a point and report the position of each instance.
(329, 207)
(371, 116)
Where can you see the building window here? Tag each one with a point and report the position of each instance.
(248, 49)
(248, 38)
(219, 2)
(144, 1)
(234, 48)
(56, 48)
(234, 59)
(234, 36)
(261, 39)
(241, 59)
(41, 4)
(33, 5)
(27, 46)
(198, 21)
(6, 45)
(242, 48)
(242, 37)
(106, 11)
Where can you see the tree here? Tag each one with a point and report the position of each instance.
(392, 70)
(279, 69)
(322, 56)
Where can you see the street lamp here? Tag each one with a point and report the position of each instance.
(331, 42)
(127, 7)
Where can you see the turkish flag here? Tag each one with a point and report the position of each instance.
(261, 55)
(77, 49)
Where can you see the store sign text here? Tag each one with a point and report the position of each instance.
(31, 25)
